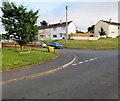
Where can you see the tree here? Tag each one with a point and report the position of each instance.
(4, 36)
(91, 29)
(77, 31)
(43, 23)
(102, 32)
(19, 22)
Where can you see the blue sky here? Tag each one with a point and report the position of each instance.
(84, 14)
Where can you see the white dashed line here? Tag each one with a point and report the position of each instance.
(80, 62)
(91, 59)
(86, 60)
(74, 64)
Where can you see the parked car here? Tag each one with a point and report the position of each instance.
(55, 45)
(43, 44)
(32, 43)
(4, 41)
(7, 41)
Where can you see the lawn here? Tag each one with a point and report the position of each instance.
(108, 43)
(12, 59)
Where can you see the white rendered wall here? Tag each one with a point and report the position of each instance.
(98, 28)
(113, 31)
(71, 28)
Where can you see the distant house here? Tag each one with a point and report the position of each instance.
(111, 28)
(56, 31)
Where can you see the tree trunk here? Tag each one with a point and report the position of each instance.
(15, 46)
(21, 48)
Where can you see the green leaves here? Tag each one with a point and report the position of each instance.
(102, 32)
(20, 22)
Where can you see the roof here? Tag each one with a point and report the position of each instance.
(54, 25)
(111, 23)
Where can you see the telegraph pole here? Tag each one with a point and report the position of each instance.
(66, 28)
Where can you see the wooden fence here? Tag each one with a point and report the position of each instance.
(16, 45)
(79, 35)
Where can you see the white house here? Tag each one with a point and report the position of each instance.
(111, 28)
(56, 31)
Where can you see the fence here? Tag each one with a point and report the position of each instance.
(82, 36)
(16, 45)
(79, 35)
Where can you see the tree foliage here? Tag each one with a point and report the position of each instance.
(19, 22)
(5, 36)
(102, 32)
(43, 23)
(91, 29)
(77, 31)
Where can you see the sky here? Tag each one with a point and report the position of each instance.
(84, 13)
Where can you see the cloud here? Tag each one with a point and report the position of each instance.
(63, 0)
(84, 15)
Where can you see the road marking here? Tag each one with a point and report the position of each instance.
(92, 59)
(74, 64)
(80, 62)
(86, 60)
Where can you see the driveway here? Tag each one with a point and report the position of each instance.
(93, 75)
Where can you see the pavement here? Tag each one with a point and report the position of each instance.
(92, 75)
(63, 59)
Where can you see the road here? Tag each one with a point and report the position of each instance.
(94, 75)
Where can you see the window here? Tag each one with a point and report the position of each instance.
(47, 30)
(54, 36)
(47, 36)
(60, 34)
(62, 28)
(40, 31)
(41, 36)
(54, 28)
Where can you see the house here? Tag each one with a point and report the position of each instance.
(111, 28)
(56, 31)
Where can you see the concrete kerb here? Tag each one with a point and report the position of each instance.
(39, 74)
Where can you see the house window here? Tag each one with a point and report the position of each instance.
(62, 28)
(60, 34)
(41, 36)
(47, 30)
(54, 28)
(40, 31)
(47, 36)
(54, 36)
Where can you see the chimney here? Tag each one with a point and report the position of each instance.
(110, 20)
(60, 21)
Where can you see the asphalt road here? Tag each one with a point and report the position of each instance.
(94, 75)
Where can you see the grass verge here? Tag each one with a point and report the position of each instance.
(107, 43)
(12, 59)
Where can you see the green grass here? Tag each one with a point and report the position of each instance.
(12, 59)
(108, 43)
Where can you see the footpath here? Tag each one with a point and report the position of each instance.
(62, 60)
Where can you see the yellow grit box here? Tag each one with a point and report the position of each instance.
(50, 49)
